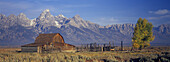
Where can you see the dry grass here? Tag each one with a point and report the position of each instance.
(150, 54)
(9, 49)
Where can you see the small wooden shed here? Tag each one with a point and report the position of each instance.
(48, 42)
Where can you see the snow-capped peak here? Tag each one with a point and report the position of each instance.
(57, 24)
(46, 10)
(45, 14)
(22, 14)
(61, 15)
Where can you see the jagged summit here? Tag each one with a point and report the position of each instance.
(12, 15)
(23, 20)
(2, 16)
(60, 15)
(164, 28)
(46, 10)
(46, 13)
(22, 15)
(17, 29)
(76, 16)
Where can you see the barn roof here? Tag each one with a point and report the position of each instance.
(44, 39)
(33, 45)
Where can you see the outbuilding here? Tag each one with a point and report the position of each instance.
(48, 42)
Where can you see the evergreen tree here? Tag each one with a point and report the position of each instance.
(143, 34)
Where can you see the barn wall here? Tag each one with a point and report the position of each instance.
(68, 51)
(58, 38)
(29, 49)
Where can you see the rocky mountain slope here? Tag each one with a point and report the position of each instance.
(19, 30)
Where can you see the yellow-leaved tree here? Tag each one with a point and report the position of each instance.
(143, 34)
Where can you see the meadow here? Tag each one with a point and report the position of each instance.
(151, 54)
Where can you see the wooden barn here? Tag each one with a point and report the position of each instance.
(49, 43)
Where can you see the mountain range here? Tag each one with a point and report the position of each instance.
(19, 30)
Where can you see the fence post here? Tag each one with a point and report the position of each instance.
(104, 48)
(95, 46)
(109, 45)
(81, 47)
(87, 47)
(121, 45)
(90, 46)
(113, 44)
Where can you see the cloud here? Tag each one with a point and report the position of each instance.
(106, 20)
(115, 20)
(160, 17)
(164, 11)
(160, 12)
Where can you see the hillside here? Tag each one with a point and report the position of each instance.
(19, 30)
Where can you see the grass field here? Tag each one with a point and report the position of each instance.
(152, 54)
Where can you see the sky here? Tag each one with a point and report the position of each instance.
(102, 12)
